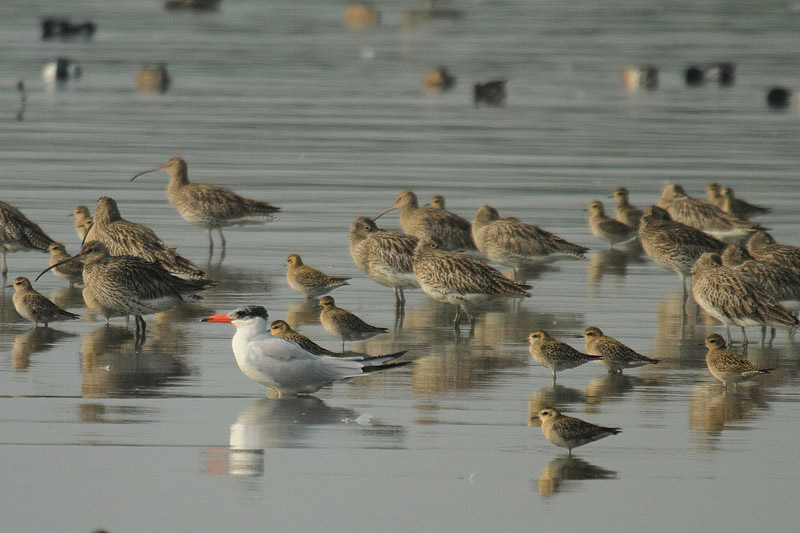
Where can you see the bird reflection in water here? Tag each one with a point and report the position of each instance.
(613, 262)
(291, 423)
(68, 297)
(568, 468)
(34, 340)
(711, 410)
(672, 346)
(610, 387)
(301, 312)
(556, 396)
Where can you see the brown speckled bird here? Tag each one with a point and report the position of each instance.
(70, 271)
(309, 281)
(17, 233)
(568, 432)
(763, 247)
(555, 354)
(608, 229)
(452, 231)
(616, 357)
(457, 279)
(282, 330)
(739, 208)
(727, 365)
(624, 211)
(83, 222)
(210, 206)
(343, 324)
(35, 306)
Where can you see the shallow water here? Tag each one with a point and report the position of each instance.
(280, 102)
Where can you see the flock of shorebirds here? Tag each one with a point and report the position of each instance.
(739, 275)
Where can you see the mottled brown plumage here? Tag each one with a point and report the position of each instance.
(782, 284)
(309, 281)
(83, 222)
(555, 354)
(17, 233)
(763, 247)
(616, 357)
(70, 271)
(282, 330)
(624, 211)
(123, 237)
(733, 299)
(739, 208)
(210, 206)
(569, 432)
(608, 229)
(727, 365)
(437, 201)
(703, 215)
(452, 231)
(458, 279)
(386, 257)
(714, 193)
(35, 306)
(343, 324)
(518, 245)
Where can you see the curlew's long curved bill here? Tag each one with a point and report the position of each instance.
(221, 318)
(146, 172)
(87, 233)
(384, 212)
(51, 267)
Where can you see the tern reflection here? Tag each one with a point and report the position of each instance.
(296, 423)
(568, 468)
(34, 340)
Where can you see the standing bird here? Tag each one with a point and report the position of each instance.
(35, 306)
(518, 245)
(83, 223)
(343, 324)
(282, 330)
(739, 208)
(782, 284)
(763, 247)
(727, 365)
(673, 245)
(457, 279)
(448, 228)
(554, 354)
(284, 366)
(69, 271)
(568, 432)
(131, 285)
(309, 281)
(386, 257)
(733, 299)
(703, 215)
(714, 193)
(608, 229)
(17, 233)
(210, 206)
(624, 211)
(123, 237)
(616, 357)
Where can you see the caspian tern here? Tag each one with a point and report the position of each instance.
(283, 365)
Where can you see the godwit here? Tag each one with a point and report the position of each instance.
(17, 233)
(452, 231)
(568, 432)
(703, 215)
(83, 222)
(624, 211)
(70, 271)
(123, 237)
(209, 206)
(616, 356)
(733, 299)
(456, 278)
(439, 79)
(512, 243)
(309, 281)
(35, 306)
(282, 330)
(608, 229)
(132, 286)
(386, 257)
(739, 208)
(727, 365)
(343, 324)
(284, 366)
(673, 245)
(554, 354)
(491, 93)
(764, 248)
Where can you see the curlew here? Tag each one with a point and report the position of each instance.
(781, 283)
(703, 215)
(284, 366)
(616, 356)
(727, 365)
(17, 233)
(568, 432)
(210, 206)
(309, 281)
(457, 279)
(732, 298)
(69, 271)
(763, 247)
(343, 324)
(624, 211)
(35, 306)
(386, 257)
(555, 354)
(123, 237)
(452, 231)
(608, 229)
(130, 285)
(518, 245)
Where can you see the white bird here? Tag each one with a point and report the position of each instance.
(283, 365)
